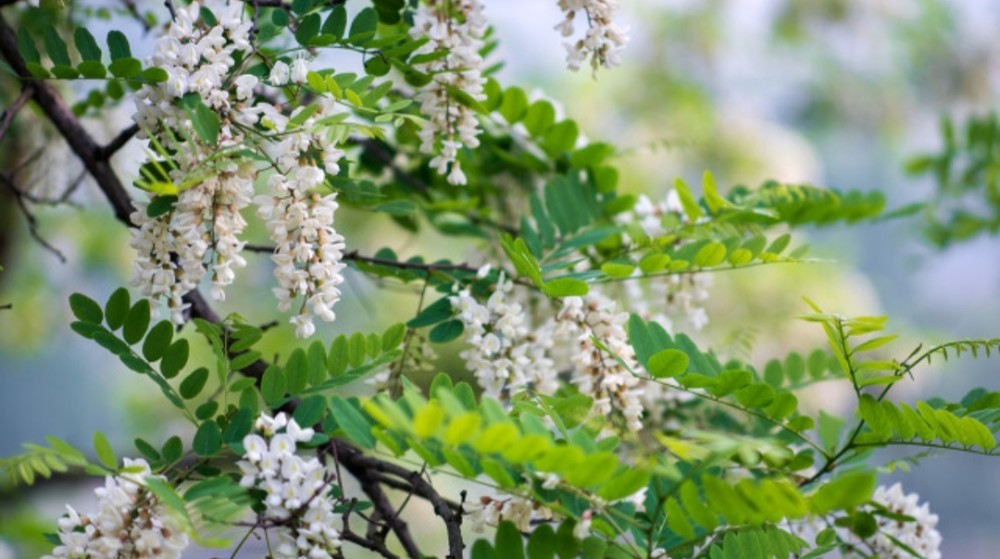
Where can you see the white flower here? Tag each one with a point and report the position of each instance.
(457, 27)
(245, 85)
(295, 488)
(602, 42)
(920, 534)
(279, 74)
(129, 522)
(300, 70)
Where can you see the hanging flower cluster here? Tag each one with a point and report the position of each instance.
(457, 26)
(130, 522)
(603, 41)
(297, 498)
(919, 534)
(504, 353)
(200, 233)
(596, 373)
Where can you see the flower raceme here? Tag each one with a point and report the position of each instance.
(200, 234)
(297, 500)
(129, 523)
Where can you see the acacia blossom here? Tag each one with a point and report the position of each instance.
(919, 534)
(200, 234)
(130, 522)
(603, 40)
(504, 352)
(458, 27)
(297, 497)
(597, 373)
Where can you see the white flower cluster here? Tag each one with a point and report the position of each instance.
(297, 500)
(457, 26)
(130, 523)
(308, 250)
(674, 296)
(614, 388)
(200, 234)
(490, 511)
(920, 534)
(505, 354)
(603, 41)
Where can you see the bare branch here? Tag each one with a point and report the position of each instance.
(79, 140)
(11, 112)
(133, 11)
(22, 203)
(119, 141)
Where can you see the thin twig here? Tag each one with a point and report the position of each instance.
(133, 10)
(22, 203)
(11, 112)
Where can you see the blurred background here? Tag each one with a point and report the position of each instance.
(834, 93)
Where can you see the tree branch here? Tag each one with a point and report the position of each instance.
(352, 458)
(11, 112)
(79, 140)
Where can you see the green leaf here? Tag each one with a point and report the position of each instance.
(207, 440)
(336, 360)
(272, 384)
(194, 383)
(117, 308)
(847, 491)
(86, 45)
(155, 75)
(626, 482)
(432, 314)
(310, 410)
(446, 331)
(147, 450)
(125, 68)
(336, 22)
(561, 138)
(136, 322)
(85, 308)
(688, 202)
(363, 27)
(308, 29)
(567, 546)
(172, 450)
(175, 358)
(92, 69)
(158, 340)
(539, 117)
(26, 45)
(239, 426)
(56, 47)
(508, 541)
(482, 549)
(514, 104)
(118, 45)
(542, 543)
(350, 419)
(667, 363)
(104, 452)
(618, 269)
(710, 255)
(565, 287)
(393, 336)
(206, 123)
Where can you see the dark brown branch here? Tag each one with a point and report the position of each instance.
(384, 510)
(79, 140)
(356, 256)
(11, 112)
(119, 141)
(352, 458)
